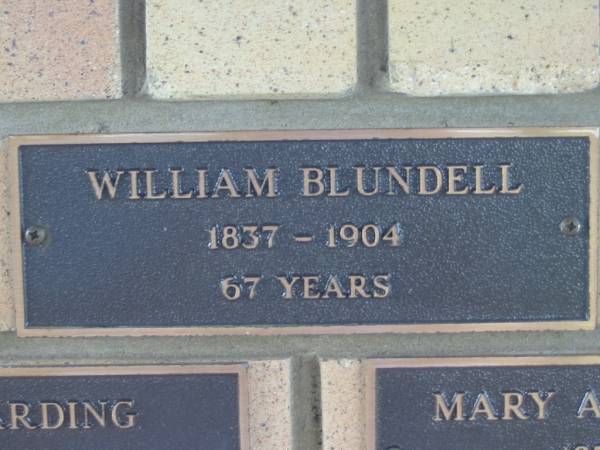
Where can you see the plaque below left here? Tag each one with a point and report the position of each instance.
(200, 407)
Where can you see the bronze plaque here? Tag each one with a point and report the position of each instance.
(350, 231)
(193, 407)
(516, 403)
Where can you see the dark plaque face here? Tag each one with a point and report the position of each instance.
(524, 403)
(302, 232)
(147, 407)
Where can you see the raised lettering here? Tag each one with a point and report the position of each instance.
(445, 412)
(108, 183)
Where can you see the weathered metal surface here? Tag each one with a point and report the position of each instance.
(504, 239)
(124, 407)
(525, 403)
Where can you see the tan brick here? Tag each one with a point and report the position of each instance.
(438, 47)
(268, 48)
(270, 405)
(59, 50)
(343, 402)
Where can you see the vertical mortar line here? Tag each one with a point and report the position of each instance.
(372, 45)
(306, 402)
(132, 24)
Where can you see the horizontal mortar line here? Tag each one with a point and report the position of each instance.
(33, 360)
(128, 116)
(204, 346)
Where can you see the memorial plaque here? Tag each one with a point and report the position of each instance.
(524, 403)
(124, 407)
(305, 232)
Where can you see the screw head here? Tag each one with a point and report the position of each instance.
(570, 226)
(36, 235)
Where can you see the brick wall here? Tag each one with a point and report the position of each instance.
(82, 66)
(75, 50)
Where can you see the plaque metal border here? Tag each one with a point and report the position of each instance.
(15, 142)
(371, 366)
(166, 369)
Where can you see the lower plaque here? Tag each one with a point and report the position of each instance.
(124, 407)
(541, 403)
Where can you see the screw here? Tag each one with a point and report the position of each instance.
(570, 226)
(36, 235)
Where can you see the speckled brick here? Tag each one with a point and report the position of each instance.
(7, 309)
(244, 48)
(343, 402)
(270, 405)
(59, 50)
(438, 47)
